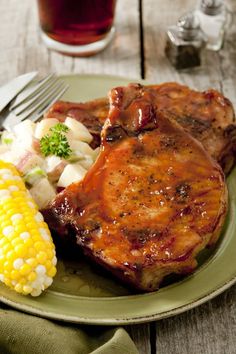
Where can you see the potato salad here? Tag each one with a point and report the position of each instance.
(49, 155)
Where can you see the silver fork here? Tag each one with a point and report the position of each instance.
(33, 101)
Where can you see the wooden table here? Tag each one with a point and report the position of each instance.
(138, 51)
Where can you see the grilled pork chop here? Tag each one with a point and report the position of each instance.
(208, 116)
(153, 199)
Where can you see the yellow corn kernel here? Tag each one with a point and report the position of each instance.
(28, 243)
(27, 261)
(52, 272)
(16, 241)
(22, 281)
(32, 262)
(42, 257)
(11, 256)
(39, 245)
(48, 264)
(5, 224)
(15, 275)
(32, 252)
(7, 282)
(7, 266)
(30, 225)
(25, 269)
(3, 240)
(50, 253)
(18, 287)
(20, 228)
(32, 276)
(27, 289)
(21, 250)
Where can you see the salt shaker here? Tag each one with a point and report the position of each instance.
(185, 42)
(212, 15)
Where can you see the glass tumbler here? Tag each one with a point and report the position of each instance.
(77, 27)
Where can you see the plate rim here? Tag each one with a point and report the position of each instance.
(126, 321)
(121, 321)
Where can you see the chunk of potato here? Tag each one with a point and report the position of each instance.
(43, 127)
(81, 148)
(54, 167)
(79, 130)
(72, 173)
(24, 133)
(52, 162)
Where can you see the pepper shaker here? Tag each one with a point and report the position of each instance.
(212, 15)
(185, 42)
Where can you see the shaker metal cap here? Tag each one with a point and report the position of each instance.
(188, 26)
(212, 7)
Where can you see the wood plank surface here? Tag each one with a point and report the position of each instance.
(22, 50)
(217, 69)
(141, 337)
(227, 57)
(157, 16)
(210, 328)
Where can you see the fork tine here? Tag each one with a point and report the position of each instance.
(12, 120)
(26, 113)
(34, 101)
(30, 91)
(28, 102)
(40, 113)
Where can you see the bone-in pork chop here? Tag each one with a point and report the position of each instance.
(208, 116)
(153, 199)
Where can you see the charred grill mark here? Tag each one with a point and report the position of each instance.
(115, 133)
(139, 237)
(185, 211)
(182, 192)
(85, 233)
(197, 125)
(230, 132)
(193, 210)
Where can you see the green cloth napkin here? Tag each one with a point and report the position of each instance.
(21, 333)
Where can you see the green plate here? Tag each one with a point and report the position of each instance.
(81, 294)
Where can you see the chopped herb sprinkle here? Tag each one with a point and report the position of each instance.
(56, 143)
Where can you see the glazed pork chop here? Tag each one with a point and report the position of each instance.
(208, 116)
(151, 202)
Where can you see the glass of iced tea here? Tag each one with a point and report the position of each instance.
(77, 27)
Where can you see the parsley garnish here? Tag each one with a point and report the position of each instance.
(56, 143)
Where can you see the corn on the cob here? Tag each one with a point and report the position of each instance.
(27, 252)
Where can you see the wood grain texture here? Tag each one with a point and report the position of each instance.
(22, 50)
(141, 337)
(210, 328)
(227, 57)
(216, 70)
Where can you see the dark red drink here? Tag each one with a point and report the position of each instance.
(76, 22)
